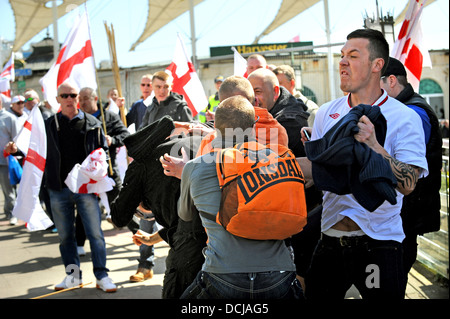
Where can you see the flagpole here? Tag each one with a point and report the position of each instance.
(193, 38)
(99, 94)
(115, 67)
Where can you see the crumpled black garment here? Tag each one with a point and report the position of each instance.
(145, 180)
(342, 165)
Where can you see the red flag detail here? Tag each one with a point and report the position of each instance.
(27, 125)
(180, 82)
(37, 160)
(83, 188)
(414, 61)
(65, 69)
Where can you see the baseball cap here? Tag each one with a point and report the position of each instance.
(219, 78)
(18, 98)
(394, 67)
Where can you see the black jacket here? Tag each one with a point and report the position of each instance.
(421, 209)
(174, 106)
(342, 165)
(93, 139)
(145, 182)
(291, 114)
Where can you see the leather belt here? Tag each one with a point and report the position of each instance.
(345, 241)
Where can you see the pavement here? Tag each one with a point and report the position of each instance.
(30, 266)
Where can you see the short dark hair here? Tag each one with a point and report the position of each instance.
(378, 46)
(236, 85)
(233, 113)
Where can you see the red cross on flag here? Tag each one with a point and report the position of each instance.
(75, 63)
(410, 48)
(7, 76)
(185, 80)
(32, 141)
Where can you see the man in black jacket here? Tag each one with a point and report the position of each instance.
(71, 136)
(146, 186)
(421, 209)
(284, 107)
(115, 133)
(166, 102)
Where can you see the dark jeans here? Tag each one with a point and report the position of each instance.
(147, 253)
(263, 285)
(375, 267)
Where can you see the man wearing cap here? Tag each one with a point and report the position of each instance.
(207, 114)
(421, 209)
(17, 105)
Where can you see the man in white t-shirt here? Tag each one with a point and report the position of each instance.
(358, 246)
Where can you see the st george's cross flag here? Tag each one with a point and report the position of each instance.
(75, 63)
(6, 76)
(240, 64)
(185, 80)
(32, 141)
(91, 177)
(410, 48)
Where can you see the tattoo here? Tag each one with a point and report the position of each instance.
(404, 173)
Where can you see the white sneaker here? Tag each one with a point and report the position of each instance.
(68, 282)
(81, 251)
(13, 221)
(106, 285)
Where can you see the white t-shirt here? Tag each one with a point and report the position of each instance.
(404, 141)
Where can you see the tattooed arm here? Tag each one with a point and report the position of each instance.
(407, 175)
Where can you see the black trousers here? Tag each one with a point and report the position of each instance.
(375, 267)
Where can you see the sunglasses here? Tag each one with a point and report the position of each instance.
(29, 99)
(20, 102)
(65, 96)
(146, 84)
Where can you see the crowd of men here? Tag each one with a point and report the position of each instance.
(371, 162)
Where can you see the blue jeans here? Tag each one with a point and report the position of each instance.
(147, 253)
(375, 267)
(262, 285)
(63, 206)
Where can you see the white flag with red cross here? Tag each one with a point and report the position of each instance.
(75, 63)
(410, 48)
(91, 177)
(185, 80)
(7, 75)
(32, 141)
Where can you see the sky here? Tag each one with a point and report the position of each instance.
(226, 23)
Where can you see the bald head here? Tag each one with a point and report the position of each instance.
(266, 87)
(236, 85)
(68, 99)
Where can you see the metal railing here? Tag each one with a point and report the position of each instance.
(433, 247)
